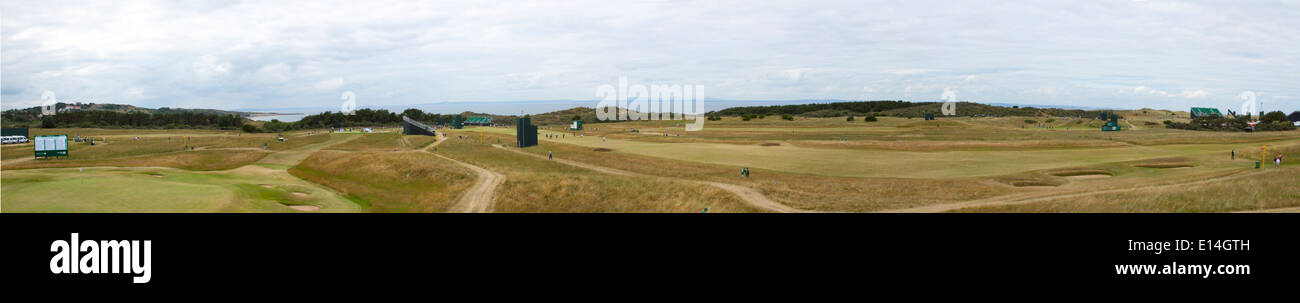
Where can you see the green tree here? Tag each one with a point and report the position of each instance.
(1274, 116)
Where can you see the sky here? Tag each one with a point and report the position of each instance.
(286, 54)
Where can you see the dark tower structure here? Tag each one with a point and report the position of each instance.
(525, 132)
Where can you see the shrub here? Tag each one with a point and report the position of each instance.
(1278, 125)
(1274, 116)
(787, 117)
(744, 118)
(1030, 121)
(850, 119)
(869, 118)
(249, 128)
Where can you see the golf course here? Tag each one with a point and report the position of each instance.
(804, 164)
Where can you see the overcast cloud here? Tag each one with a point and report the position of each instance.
(280, 54)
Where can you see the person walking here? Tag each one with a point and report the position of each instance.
(1234, 154)
(549, 156)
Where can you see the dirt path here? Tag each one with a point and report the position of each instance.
(749, 195)
(1039, 197)
(479, 197)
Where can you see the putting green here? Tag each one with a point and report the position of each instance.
(884, 163)
(147, 189)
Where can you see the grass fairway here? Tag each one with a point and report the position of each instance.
(884, 163)
(818, 164)
(248, 189)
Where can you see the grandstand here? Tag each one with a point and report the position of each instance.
(480, 121)
(412, 127)
(1202, 112)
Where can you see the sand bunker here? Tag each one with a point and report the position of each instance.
(299, 194)
(1164, 165)
(304, 207)
(266, 185)
(1093, 176)
(1031, 184)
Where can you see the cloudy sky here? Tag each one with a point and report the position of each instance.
(281, 54)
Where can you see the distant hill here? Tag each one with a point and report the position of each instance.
(833, 109)
(105, 114)
(902, 109)
(967, 109)
(559, 117)
(123, 108)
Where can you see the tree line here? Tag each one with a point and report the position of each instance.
(113, 119)
(860, 107)
(1272, 121)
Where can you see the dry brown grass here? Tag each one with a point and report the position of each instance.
(388, 181)
(418, 142)
(373, 142)
(802, 191)
(538, 185)
(926, 145)
(1271, 189)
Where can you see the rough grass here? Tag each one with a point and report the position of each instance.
(885, 163)
(538, 185)
(1272, 189)
(373, 142)
(388, 181)
(802, 191)
(419, 142)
